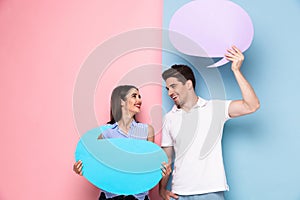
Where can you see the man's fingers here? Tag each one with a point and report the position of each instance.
(236, 49)
(175, 196)
(231, 58)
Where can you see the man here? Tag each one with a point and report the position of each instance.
(188, 128)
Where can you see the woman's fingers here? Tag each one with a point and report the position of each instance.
(77, 167)
(166, 169)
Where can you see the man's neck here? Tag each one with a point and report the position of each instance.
(192, 101)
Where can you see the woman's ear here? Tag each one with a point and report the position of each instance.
(122, 102)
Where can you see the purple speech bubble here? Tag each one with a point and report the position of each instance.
(213, 26)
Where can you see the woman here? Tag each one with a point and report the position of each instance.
(124, 105)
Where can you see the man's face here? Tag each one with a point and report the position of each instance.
(177, 91)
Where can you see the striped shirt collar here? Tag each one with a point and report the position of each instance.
(116, 125)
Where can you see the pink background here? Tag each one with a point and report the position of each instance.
(43, 45)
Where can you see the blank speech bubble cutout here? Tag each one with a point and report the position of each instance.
(213, 26)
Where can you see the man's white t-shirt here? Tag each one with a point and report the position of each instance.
(196, 138)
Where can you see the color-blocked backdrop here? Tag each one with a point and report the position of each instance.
(43, 46)
(260, 150)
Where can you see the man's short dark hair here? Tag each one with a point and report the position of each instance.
(181, 72)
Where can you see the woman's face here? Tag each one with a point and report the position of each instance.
(133, 101)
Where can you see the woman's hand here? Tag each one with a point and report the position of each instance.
(166, 169)
(77, 167)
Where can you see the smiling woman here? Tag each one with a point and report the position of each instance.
(128, 102)
(125, 104)
(133, 101)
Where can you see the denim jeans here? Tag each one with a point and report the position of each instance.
(208, 196)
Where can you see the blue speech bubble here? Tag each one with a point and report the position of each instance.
(120, 165)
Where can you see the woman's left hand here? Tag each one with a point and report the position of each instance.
(166, 169)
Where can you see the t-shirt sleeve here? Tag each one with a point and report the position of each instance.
(166, 140)
(227, 103)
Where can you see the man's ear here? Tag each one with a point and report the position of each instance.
(189, 84)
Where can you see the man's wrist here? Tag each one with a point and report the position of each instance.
(236, 71)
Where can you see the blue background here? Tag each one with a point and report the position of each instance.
(261, 150)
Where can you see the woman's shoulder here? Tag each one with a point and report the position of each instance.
(139, 124)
